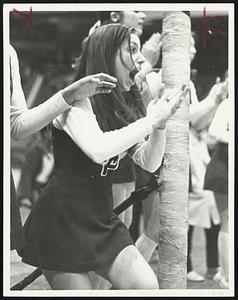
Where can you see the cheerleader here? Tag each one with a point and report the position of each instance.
(72, 229)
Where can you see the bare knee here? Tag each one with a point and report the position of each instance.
(144, 283)
(67, 281)
(129, 270)
(149, 283)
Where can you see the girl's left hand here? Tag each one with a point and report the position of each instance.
(163, 108)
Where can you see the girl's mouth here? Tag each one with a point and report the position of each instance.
(133, 74)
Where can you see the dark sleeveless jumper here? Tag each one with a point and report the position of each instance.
(72, 227)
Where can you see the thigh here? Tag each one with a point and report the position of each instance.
(129, 270)
(130, 187)
(128, 216)
(67, 281)
(119, 193)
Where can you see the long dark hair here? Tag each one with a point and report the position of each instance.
(116, 109)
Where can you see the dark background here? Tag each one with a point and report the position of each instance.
(47, 48)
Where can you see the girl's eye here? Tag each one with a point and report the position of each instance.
(133, 50)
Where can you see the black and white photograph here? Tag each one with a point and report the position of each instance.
(118, 149)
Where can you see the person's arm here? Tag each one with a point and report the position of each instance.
(201, 113)
(81, 125)
(148, 154)
(219, 128)
(25, 122)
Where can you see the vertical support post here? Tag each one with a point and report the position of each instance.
(173, 195)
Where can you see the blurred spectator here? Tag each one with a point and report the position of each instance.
(216, 180)
(202, 207)
(37, 169)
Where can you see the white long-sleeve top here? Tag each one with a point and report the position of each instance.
(219, 128)
(24, 121)
(81, 125)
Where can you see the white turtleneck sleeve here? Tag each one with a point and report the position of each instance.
(81, 125)
(24, 121)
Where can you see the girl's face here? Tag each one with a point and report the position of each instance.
(127, 58)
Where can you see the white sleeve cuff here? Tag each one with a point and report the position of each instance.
(60, 102)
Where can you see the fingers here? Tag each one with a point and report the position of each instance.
(176, 96)
(170, 94)
(185, 90)
(185, 93)
(154, 41)
(105, 77)
(103, 90)
(183, 96)
(153, 102)
(106, 84)
(175, 100)
(101, 85)
(155, 38)
(166, 93)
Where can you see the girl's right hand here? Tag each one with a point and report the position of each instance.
(89, 86)
(163, 108)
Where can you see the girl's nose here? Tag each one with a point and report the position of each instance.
(140, 60)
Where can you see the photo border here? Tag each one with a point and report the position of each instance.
(229, 7)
